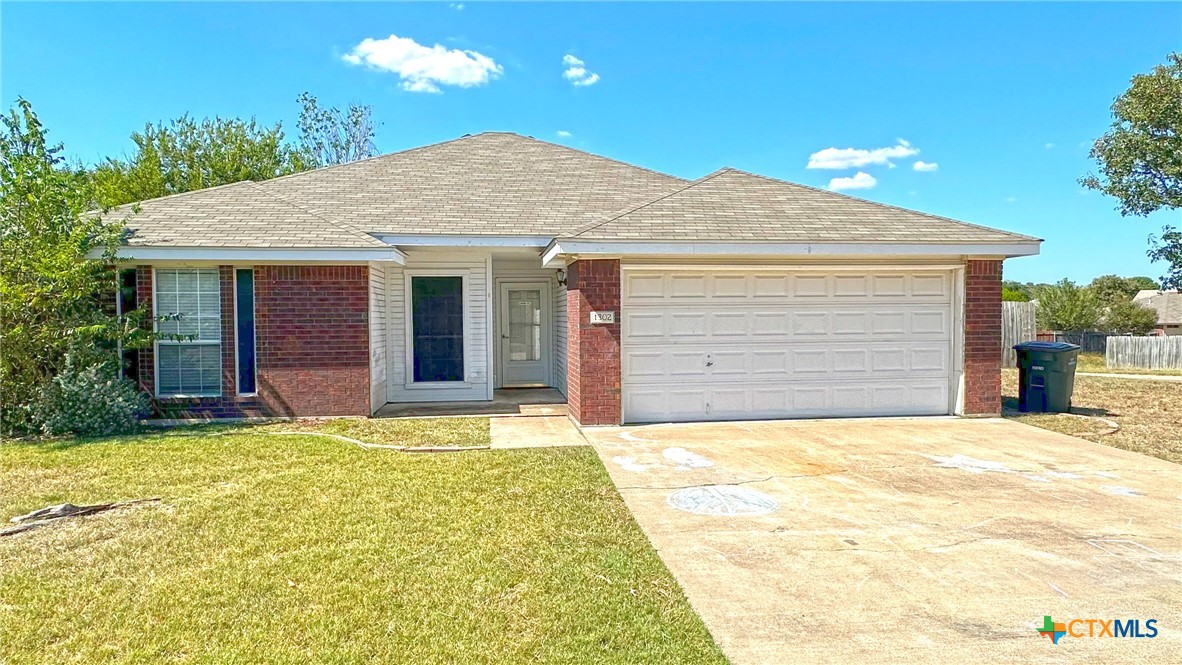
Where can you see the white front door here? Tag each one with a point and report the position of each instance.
(729, 344)
(525, 334)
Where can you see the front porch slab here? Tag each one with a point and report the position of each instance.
(505, 402)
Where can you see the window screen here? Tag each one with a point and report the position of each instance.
(437, 321)
(190, 298)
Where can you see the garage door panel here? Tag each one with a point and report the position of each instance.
(732, 344)
(722, 287)
(886, 360)
(786, 325)
(787, 401)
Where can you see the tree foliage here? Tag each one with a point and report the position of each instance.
(1168, 248)
(51, 297)
(1111, 289)
(1066, 306)
(1014, 295)
(330, 136)
(1140, 157)
(1129, 318)
(186, 154)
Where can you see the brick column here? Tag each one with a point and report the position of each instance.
(982, 338)
(593, 351)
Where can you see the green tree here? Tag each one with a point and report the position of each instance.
(330, 136)
(51, 296)
(1067, 307)
(1113, 288)
(1140, 157)
(1014, 295)
(186, 155)
(1017, 291)
(1128, 317)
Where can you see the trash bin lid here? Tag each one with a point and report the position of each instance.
(1045, 346)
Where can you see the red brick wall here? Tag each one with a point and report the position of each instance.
(312, 331)
(312, 342)
(982, 338)
(593, 351)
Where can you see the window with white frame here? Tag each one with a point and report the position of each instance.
(189, 350)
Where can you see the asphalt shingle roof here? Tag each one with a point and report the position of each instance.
(506, 184)
(487, 184)
(735, 206)
(243, 214)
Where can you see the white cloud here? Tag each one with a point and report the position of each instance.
(563, 134)
(861, 180)
(458, 6)
(925, 167)
(1048, 146)
(850, 158)
(1011, 199)
(577, 73)
(424, 68)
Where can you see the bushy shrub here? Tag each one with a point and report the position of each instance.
(89, 401)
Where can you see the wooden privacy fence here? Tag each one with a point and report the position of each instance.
(1088, 342)
(1144, 352)
(1017, 326)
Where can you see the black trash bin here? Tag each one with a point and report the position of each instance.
(1046, 376)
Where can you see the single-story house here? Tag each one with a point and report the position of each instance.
(1168, 305)
(494, 261)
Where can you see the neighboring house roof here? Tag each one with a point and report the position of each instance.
(1167, 303)
(500, 184)
(736, 206)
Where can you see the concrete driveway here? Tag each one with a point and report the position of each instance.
(907, 540)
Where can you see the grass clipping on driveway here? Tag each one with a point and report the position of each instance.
(289, 549)
(1149, 413)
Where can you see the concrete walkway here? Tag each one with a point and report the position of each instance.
(534, 432)
(1139, 377)
(907, 540)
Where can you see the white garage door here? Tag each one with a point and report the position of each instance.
(733, 344)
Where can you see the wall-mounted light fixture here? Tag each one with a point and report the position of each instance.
(561, 277)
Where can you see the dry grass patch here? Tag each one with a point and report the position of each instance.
(1149, 413)
(1095, 362)
(451, 432)
(289, 549)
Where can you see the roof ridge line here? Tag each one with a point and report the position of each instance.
(375, 157)
(298, 206)
(595, 225)
(593, 154)
(886, 205)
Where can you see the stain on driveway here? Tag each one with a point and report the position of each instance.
(912, 539)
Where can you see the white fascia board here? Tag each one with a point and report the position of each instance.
(463, 241)
(561, 248)
(257, 255)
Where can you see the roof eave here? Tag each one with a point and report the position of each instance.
(232, 255)
(562, 248)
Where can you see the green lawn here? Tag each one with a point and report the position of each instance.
(271, 548)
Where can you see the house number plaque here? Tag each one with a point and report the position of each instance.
(603, 317)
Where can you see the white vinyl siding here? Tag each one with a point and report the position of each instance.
(738, 343)
(189, 302)
(378, 297)
(473, 266)
(560, 337)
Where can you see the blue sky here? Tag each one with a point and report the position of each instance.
(1004, 98)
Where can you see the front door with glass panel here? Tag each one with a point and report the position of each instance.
(525, 334)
